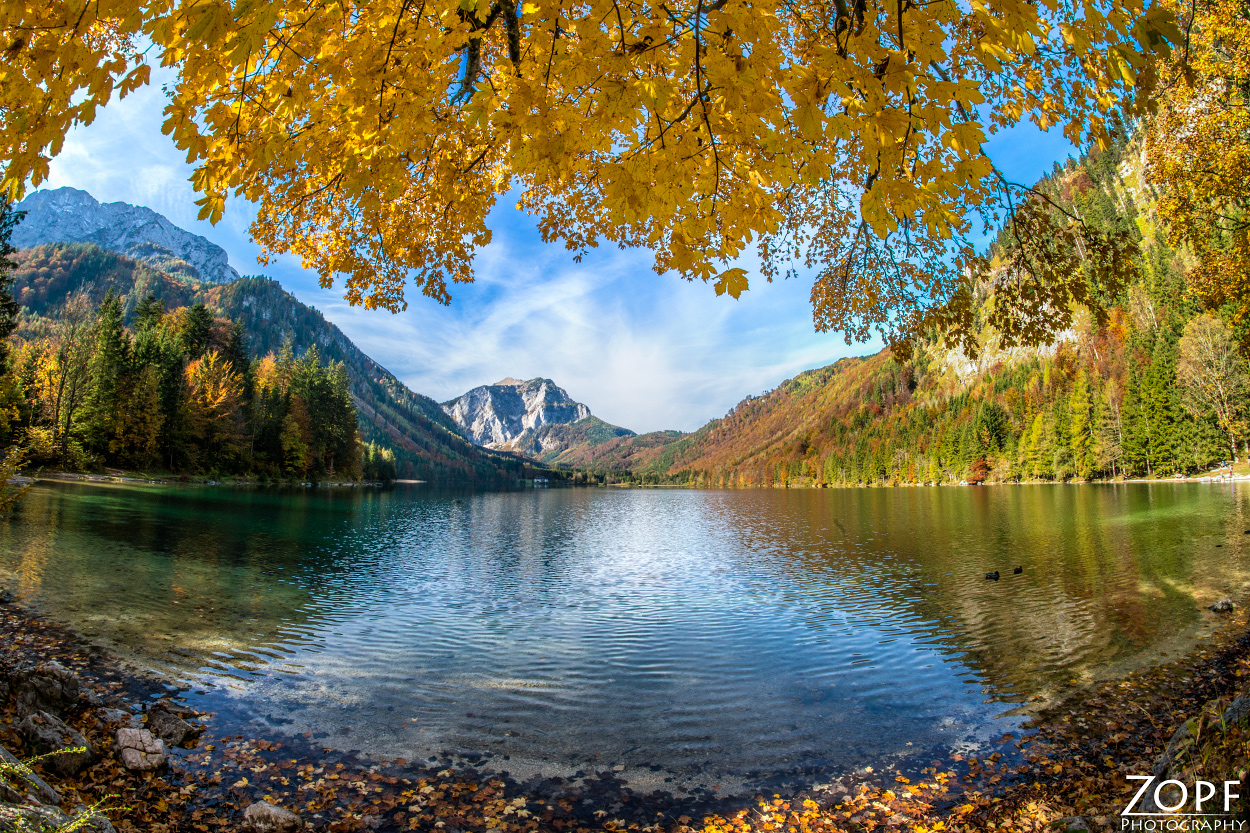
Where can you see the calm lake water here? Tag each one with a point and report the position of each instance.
(709, 637)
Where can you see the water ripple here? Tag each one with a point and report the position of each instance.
(719, 635)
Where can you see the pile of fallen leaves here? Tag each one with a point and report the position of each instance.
(1072, 762)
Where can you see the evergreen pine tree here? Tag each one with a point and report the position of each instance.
(1081, 426)
(107, 374)
(141, 419)
(197, 329)
(148, 313)
(237, 353)
(1160, 403)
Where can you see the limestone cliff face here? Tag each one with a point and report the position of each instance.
(507, 413)
(67, 215)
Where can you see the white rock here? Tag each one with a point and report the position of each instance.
(67, 215)
(497, 415)
(266, 818)
(140, 749)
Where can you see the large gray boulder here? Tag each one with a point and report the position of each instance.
(169, 727)
(25, 819)
(68, 751)
(263, 817)
(140, 749)
(50, 688)
(118, 716)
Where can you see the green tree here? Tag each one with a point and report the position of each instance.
(148, 313)
(139, 424)
(295, 439)
(1081, 426)
(1212, 378)
(108, 372)
(1159, 403)
(70, 371)
(197, 331)
(1135, 442)
(1040, 450)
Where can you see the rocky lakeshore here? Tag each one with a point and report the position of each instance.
(128, 755)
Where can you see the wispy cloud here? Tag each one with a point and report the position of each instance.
(644, 351)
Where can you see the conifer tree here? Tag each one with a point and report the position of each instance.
(1160, 403)
(1040, 453)
(141, 418)
(196, 332)
(1081, 426)
(108, 370)
(148, 313)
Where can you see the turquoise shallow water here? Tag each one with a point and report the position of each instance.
(708, 637)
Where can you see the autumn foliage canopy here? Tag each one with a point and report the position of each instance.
(841, 136)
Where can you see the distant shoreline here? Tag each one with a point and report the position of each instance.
(184, 480)
(134, 479)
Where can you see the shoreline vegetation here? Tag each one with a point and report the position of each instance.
(177, 390)
(1240, 473)
(1066, 771)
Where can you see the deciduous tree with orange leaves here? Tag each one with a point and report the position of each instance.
(1198, 149)
(844, 137)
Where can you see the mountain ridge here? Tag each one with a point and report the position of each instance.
(71, 215)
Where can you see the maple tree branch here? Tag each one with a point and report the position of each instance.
(390, 48)
(512, 24)
(473, 48)
(700, 96)
(479, 158)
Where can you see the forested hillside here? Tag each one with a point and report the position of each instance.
(177, 391)
(1157, 389)
(426, 444)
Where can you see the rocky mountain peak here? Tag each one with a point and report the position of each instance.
(498, 415)
(68, 215)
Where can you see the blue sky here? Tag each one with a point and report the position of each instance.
(642, 350)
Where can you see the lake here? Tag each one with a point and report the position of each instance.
(693, 638)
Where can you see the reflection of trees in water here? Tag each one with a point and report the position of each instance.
(203, 573)
(1109, 571)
